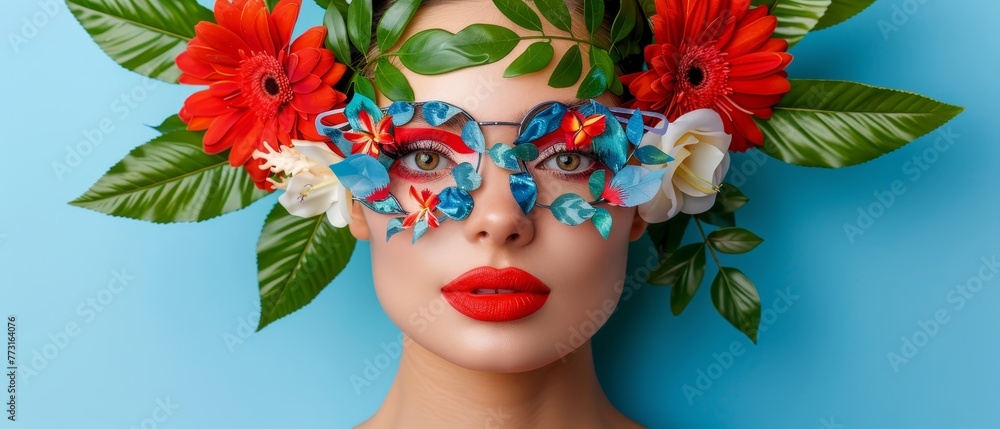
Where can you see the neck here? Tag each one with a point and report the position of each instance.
(431, 392)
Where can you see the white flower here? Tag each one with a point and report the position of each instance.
(700, 147)
(313, 188)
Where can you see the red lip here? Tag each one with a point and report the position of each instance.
(474, 294)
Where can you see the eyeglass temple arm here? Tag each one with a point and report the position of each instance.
(661, 125)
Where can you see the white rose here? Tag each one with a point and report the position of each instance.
(700, 147)
(313, 188)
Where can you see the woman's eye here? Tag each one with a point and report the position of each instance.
(424, 161)
(568, 162)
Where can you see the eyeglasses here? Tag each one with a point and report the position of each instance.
(432, 153)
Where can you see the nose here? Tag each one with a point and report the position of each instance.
(496, 219)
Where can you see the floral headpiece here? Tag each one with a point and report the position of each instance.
(703, 78)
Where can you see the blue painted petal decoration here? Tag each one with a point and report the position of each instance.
(503, 156)
(466, 177)
(385, 160)
(545, 122)
(651, 155)
(612, 145)
(473, 137)
(526, 152)
(635, 127)
(419, 229)
(635, 185)
(525, 191)
(401, 112)
(358, 103)
(571, 209)
(337, 137)
(395, 227)
(363, 175)
(455, 203)
(437, 113)
(390, 205)
(602, 220)
(596, 184)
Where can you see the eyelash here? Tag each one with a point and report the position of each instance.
(404, 149)
(560, 149)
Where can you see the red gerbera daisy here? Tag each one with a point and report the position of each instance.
(715, 54)
(263, 87)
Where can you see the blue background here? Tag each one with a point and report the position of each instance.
(821, 361)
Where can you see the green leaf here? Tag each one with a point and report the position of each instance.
(172, 123)
(142, 35)
(837, 124)
(733, 240)
(736, 299)
(394, 21)
(437, 51)
(603, 59)
(556, 12)
(359, 24)
(536, 57)
(568, 70)
(296, 259)
(684, 270)
(730, 199)
(171, 179)
(271, 4)
(391, 81)
(840, 11)
(593, 14)
(624, 22)
(336, 34)
(594, 83)
(363, 86)
(667, 236)
(717, 218)
(519, 12)
(796, 18)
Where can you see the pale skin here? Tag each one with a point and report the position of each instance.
(531, 373)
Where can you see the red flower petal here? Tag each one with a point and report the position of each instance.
(214, 137)
(757, 64)
(752, 36)
(770, 85)
(286, 12)
(312, 38)
(304, 62)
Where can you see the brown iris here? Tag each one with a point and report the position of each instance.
(568, 162)
(427, 160)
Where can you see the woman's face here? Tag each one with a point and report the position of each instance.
(581, 269)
